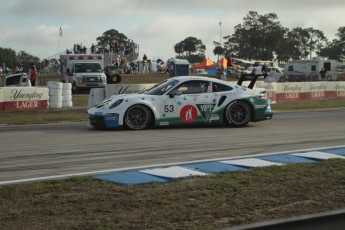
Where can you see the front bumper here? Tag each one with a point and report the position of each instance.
(107, 121)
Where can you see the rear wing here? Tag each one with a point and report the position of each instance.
(252, 77)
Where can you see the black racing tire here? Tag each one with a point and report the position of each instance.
(113, 79)
(237, 114)
(138, 117)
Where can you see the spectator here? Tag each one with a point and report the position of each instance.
(93, 48)
(33, 74)
(323, 74)
(126, 68)
(133, 67)
(146, 64)
(122, 49)
(264, 69)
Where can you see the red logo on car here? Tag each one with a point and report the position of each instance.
(188, 114)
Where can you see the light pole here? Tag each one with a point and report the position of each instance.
(220, 33)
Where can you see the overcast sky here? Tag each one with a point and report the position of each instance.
(33, 25)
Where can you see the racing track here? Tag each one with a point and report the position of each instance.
(56, 149)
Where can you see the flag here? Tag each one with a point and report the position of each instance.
(60, 32)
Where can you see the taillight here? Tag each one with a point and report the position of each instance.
(263, 96)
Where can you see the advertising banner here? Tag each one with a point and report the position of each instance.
(290, 91)
(339, 89)
(25, 98)
(112, 89)
(318, 90)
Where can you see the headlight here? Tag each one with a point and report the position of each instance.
(116, 103)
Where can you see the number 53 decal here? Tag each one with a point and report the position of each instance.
(169, 108)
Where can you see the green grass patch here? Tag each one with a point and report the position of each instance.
(42, 116)
(208, 202)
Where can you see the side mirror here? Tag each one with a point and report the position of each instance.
(67, 70)
(175, 93)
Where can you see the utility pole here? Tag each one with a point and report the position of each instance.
(220, 33)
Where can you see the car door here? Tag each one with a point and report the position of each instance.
(193, 104)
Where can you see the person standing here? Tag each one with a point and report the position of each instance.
(146, 64)
(264, 69)
(33, 75)
(93, 48)
(323, 74)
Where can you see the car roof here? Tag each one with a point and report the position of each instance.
(187, 78)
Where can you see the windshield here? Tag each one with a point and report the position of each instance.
(161, 88)
(87, 68)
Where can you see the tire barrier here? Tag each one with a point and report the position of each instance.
(55, 94)
(67, 95)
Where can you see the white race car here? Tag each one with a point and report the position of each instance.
(184, 100)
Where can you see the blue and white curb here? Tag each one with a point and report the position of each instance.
(170, 173)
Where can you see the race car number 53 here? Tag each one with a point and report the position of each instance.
(169, 108)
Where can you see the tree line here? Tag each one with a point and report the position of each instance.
(262, 37)
(258, 37)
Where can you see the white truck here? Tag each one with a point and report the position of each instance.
(83, 71)
(17, 80)
(309, 70)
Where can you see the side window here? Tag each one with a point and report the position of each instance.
(193, 87)
(217, 87)
(313, 68)
(290, 68)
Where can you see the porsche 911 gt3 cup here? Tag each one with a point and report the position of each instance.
(183, 101)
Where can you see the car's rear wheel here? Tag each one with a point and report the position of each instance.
(237, 114)
(138, 117)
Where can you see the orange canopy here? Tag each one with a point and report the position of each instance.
(206, 64)
(223, 64)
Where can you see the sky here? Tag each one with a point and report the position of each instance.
(156, 26)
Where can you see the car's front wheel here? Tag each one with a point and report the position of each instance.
(237, 114)
(138, 117)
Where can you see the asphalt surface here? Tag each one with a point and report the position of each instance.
(56, 149)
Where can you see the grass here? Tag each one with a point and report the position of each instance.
(208, 202)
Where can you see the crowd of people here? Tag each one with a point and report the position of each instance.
(123, 65)
(121, 55)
